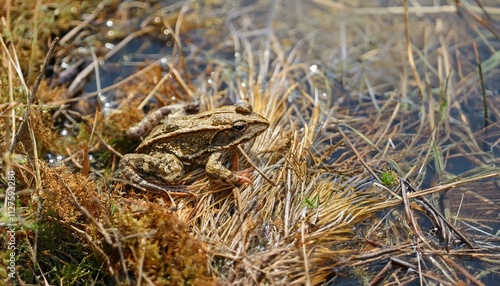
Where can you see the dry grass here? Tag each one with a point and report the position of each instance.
(381, 157)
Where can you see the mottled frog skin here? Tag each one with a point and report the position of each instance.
(196, 140)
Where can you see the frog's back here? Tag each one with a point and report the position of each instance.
(183, 138)
(194, 137)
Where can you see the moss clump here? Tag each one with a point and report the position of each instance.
(158, 247)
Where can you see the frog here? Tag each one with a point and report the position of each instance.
(180, 145)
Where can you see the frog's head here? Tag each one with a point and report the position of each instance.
(237, 124)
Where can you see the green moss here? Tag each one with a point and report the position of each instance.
(62, 257)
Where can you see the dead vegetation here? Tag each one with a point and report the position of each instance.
(381, 159)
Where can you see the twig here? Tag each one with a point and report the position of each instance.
(382, 272)
(428, 206)
(304, 252)
(255, 167)
(358, 155)
(398, 10)
(31, 97)
(409, 212)
(409, 51)
(85, 72)
(463, 271)
(404, 263)
(483, 88)
(477, 19)
(440, 188)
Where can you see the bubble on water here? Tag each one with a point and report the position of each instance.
(50, 158)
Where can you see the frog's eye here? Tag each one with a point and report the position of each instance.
(239, 125)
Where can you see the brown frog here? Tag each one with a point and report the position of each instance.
(195, 140)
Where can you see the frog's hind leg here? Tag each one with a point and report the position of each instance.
(151, 171)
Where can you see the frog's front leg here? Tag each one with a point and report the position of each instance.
(151, 171)
(216, 171)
